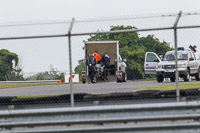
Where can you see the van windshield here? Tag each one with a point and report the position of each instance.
(171, 56)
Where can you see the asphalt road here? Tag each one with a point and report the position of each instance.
(99, 88)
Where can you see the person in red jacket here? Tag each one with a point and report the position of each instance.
(97, 56)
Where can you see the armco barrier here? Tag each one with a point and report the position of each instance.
(178, 117)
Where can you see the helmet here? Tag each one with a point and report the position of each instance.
(91, 55)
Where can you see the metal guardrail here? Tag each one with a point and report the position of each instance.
(30, 81)
(176, 117)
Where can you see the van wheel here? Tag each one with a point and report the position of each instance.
(118, 81)
(172, 79)
(197, 76)
(186, 77)
(125, 77)
(160, 78)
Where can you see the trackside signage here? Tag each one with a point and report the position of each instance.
(75, 78)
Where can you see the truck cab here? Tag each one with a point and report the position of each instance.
(188, 65)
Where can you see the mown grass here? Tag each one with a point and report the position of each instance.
(173, 87)
(39, 96)
(5, 86)
(141, 80)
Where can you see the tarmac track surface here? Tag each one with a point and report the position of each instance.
(99, 88)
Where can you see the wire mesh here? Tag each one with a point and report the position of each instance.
(46, 57)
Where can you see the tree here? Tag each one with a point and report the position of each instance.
(133, 48)
(16, 74)
(57, 75)
(8, 62)
(79, 68)
(52, 74)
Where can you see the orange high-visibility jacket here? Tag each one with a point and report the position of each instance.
(97, 56)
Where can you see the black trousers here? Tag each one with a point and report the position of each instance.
(105, 72)
(91, 75)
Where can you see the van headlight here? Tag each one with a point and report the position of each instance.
(181, 65)
(158, 66)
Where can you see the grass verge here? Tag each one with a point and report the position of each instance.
(173, 87)
(39, 96)
(5, 86)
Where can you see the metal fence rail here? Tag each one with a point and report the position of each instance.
(169, 117)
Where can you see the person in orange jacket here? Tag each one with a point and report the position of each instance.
(97, 56)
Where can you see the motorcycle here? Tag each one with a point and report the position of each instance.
(99, 71)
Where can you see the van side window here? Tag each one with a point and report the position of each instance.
(151, 57)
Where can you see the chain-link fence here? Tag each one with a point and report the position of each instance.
(140, 67)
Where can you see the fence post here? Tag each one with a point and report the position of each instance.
(70, 64)
(176, 59)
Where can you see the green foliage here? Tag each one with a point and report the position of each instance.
(133, 48)
(48, 76)
(79, 68)
(16, 75)
(8, 61)
(53, 74)
(56, 75)
(59, 76)
(43, 76)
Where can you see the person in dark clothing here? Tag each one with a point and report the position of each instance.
(91, 62)
(106, 62)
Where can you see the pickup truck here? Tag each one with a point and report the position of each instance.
(117, 70)
(188, 65)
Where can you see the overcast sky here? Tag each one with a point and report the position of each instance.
(26, 10)
(36, 10)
